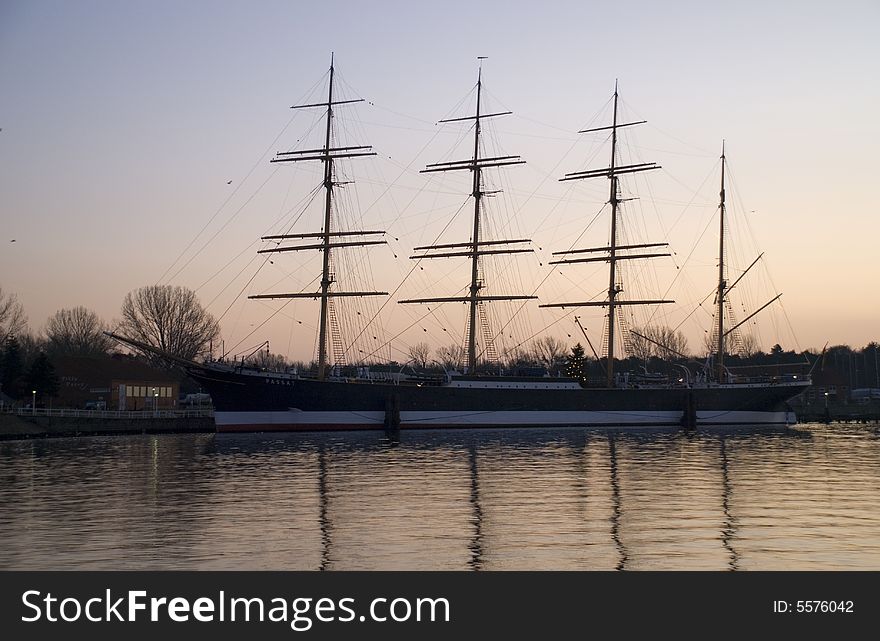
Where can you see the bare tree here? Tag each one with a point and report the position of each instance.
(671, 343)
(169, 318)
(640, 347)
(267, 360)
(12, 319)
(710, 343)
(419, 354)
(550, 352)
(661, 342)
(749, 346)
(516, 357)
(31, 346)
(735, 343)
(451, 356)
(77, 332)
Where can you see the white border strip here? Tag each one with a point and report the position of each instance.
(295, 419)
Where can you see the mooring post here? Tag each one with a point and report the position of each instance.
(392, 413)
(689, 416)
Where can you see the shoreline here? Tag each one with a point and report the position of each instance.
(14, 427)
(17, 428)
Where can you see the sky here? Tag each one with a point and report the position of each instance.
(135, 140)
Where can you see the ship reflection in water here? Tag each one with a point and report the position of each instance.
(570, 499)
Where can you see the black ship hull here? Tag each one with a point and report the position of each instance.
(258, 401)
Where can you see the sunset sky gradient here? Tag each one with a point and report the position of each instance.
(123, 123)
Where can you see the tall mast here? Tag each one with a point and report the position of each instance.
(719, 355)
(475, 275)
(327, 155)
(476, 247)
(610, 253)
(328, 199)
(723, 288)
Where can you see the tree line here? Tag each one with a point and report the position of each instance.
(663, 350)
(165, 317)
(171, 319)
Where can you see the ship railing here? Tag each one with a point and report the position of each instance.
(115, 414)
(771, 380)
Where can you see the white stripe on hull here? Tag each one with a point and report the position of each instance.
(521, 418)
(295, 420)
(297, 417)
(721, 417)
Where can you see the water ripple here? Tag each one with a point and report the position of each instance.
(797, 499)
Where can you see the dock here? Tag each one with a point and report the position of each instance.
(839, 414)
(45, 423)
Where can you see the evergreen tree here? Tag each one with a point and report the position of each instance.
(12, 368)
(575, 364)
(42, 377)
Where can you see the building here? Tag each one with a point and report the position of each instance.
(829, 384)
(865, 395)
(117, 382)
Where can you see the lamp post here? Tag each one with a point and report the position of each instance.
(34, 402)
(155, 402)
(827, 413)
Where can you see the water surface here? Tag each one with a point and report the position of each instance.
(796, 499)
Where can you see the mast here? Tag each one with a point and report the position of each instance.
(719, 352)
(327, 155)
(328, 199)
(610, 253)
(475, 275)
(476, 247)
(612, 250)
(723, 289)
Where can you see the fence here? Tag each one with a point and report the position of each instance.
(111, 414)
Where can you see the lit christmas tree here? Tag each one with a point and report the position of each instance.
(575, 364)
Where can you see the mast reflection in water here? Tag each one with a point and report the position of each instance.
(802, 498)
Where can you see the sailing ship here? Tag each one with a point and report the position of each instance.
(251, 399)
